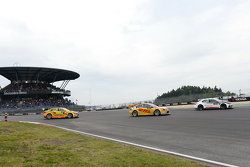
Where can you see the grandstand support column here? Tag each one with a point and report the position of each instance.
(64, 84)
(54, 79)
(16, 75)
(37, 78)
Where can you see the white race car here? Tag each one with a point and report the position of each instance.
(212, 103)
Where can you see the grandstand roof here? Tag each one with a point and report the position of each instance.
(48, 75)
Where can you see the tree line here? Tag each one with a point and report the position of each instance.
(194, 90)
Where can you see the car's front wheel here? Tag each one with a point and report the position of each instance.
(70, 115)
(134, 113)
(48, 116)
(223, 106)
(157, 113)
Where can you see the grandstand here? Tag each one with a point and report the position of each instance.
(32, 88)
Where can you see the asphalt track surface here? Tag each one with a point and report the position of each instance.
(218, 135)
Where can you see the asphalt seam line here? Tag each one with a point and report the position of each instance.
(138, 145)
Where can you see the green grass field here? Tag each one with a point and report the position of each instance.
(23, 144)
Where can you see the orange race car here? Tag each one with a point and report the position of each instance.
(59, 113)
(148, 109)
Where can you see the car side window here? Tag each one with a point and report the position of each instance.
(213, 101)
(61, 110)
(139, 106)
(204, 101)
(147, 106)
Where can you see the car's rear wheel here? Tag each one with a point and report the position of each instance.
(223, 106)
(135, 114)
(157, 113)
(200, 107)
(70, 115)
(48, 116)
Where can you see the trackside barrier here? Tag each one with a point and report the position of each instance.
(21, 114)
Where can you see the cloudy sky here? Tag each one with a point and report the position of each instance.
(130, 50)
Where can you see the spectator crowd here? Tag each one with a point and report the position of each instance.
(25, 103)
(30, 87)
(38, 95)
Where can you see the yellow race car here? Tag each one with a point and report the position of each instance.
(59, 113)
(148, 109)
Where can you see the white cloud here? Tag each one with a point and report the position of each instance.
(130, 50)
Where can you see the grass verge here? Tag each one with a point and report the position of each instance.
(23, 144)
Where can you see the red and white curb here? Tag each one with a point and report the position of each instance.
(138, 145)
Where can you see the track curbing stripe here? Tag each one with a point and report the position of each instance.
(138, 145)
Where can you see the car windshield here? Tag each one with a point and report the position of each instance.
(64, 109)
(139, 106)
(153, 105)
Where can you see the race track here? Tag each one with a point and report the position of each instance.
(218, 135)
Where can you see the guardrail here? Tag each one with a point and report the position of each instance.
(194, 98)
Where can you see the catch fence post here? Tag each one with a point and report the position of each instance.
(5, 117)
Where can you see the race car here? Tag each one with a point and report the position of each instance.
(212, 103)
(148, 109)
(59, 113)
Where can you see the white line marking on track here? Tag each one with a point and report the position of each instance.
(138, 145)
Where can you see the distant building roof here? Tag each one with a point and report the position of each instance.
(48, 75)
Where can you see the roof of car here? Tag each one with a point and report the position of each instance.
(146, 103)
(214, 98)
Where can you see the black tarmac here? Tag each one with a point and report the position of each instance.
(218, 135)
